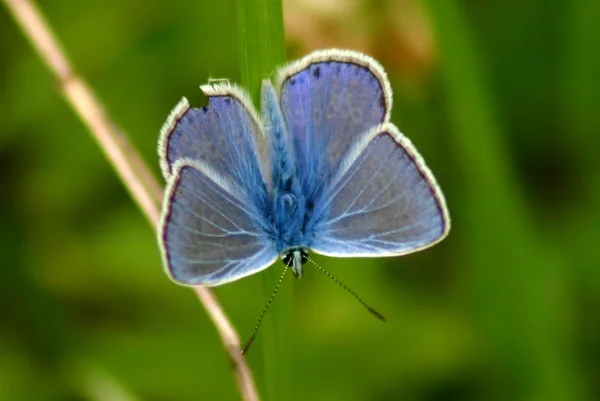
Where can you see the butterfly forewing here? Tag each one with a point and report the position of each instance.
(225, 135)
(329, 99)
(210, 233)
(382, 202)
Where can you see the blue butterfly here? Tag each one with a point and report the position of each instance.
(322, 170)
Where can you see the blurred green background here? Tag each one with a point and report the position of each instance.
(501, 98)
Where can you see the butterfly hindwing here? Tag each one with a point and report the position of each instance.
(329, 99)
(210, 232)
(383, 201)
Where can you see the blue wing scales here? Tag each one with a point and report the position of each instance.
(225, 134)
(383, 201)
(329, 99)
(210, 233)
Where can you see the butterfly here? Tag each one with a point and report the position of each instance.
(322, 170)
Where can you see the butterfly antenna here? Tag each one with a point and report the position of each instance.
(359, 299)
(262, 314)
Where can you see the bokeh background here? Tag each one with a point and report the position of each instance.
(501, 98)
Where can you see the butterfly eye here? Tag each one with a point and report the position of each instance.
(303, 256)
(288, 259)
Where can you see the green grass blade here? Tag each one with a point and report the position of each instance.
(261, 41)
(517, 292)
(261, 50)
(581, 100)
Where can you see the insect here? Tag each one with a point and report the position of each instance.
(321, 170)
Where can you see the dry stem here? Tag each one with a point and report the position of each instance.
(127, 163)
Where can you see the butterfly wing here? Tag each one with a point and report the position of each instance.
(328, 100)
(225, 134)
(210, 234)
(214, 226)
(383, 201)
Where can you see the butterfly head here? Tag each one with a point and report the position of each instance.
(295, 258)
